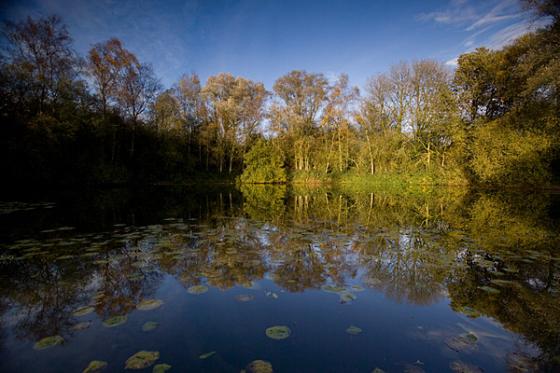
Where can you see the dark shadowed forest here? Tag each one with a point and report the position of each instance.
(104, 118)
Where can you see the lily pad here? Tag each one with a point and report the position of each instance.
(357, 288)
(469, 312)
(346, 297)
(149, 304)
(135, 277)
(378, 370)
(271, 294)
(462, 342)
(259, 366)
(149, 326)
(197, 289)
(278, 332)
(333, 288)
(412, 368)
(81, 326)
(504, 283)
(161, 368)
(207, 355)
(489, 289)
(115, 321)
(82, 311)
(95, 366)
(354, 330)
(462, 367)
(142, 359)
(48, 342)
(244, 298)
(521, 362)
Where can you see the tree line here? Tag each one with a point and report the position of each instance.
(105, 118)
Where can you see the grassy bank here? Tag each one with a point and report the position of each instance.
(419, 181)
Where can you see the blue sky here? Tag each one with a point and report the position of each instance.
(264, 39)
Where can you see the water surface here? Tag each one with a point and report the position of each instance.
(436, 281)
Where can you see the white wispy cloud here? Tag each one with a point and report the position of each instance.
(489, 23)
(501, 11)
(509, 34)
(452, 62)
(151, 34)
(473, 16)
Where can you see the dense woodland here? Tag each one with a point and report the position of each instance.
(104, 118)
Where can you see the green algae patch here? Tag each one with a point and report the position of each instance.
(353, 330)
(82, 311)
(142, 359)
(197, 289)
(207, 355)
(149, 304)
(259, 366)
(161, 368)
(95, 366)
(115, 321)
(278, 332)
(149, 326)
(47, 342)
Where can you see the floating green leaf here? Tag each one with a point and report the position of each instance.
(95, 366)
(500, 282)
(149, 304)
(161, 368)
(197, 289)
(82, 311)
(81, 326)
(462, 367)
(332, 289)
(521, 362)
(207, 355)
(48, 342)
(115, 321)
(244, 298)
(378, 370)
(271, 294)
(135, 277)
(259, 366)
(278, 332)
(149, 326)
(346, 297)
(462, 342)
(469, 311)
(354, 330)
(489, 289)
(141, 359)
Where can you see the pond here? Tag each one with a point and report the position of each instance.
(271, 278)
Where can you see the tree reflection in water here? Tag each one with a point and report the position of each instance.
(492, 255)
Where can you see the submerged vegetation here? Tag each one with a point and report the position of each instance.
(105, 119)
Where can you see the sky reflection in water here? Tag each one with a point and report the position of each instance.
(431, 282)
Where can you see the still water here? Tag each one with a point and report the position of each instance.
(299, 280)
